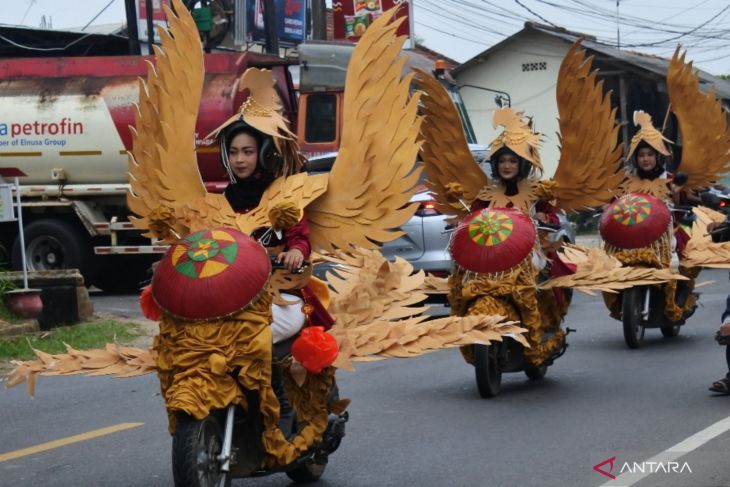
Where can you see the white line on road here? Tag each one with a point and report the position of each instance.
(673, 453)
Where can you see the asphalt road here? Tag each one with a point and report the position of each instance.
(421, 422)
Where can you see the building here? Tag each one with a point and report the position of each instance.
(524, 67)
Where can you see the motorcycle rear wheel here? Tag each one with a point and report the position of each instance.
(631, 311)
(487, 371)
(195, 447)
(670, 331)
(536, 373)
(310, 472)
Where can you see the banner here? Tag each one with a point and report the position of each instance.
(290, 21)
(352, 17)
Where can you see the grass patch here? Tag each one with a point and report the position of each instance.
(93, 334)
(5, 313)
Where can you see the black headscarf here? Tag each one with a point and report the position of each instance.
(653, 173)
(245, 194)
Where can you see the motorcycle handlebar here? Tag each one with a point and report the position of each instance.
(280, 265)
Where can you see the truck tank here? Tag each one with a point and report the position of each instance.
(68, 118)
(65, 123)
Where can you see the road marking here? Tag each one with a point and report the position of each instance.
(67, 441)
(673, 453)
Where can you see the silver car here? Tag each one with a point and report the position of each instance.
(426, 240)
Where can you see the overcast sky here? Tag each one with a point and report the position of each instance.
(461, 29)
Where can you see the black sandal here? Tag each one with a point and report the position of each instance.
(721, 386)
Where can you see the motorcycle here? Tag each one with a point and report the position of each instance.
(638, 229)
(222, 378)
(716, 200)
(493, 250)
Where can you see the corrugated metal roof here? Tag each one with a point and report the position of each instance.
(653, 64)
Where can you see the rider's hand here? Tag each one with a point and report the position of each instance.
(541, 217)
(292, 259)
(725, 329)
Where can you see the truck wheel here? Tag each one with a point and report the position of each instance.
(122, 273)
(55, 244)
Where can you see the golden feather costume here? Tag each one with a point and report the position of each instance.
(361, 202)
(705, 158)
(588, 172)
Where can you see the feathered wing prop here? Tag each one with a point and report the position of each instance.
(167, 192)
(701, 251)
(452, 174)
(374, 174)
(375, 317)
(112, 360)
(376, 307)
(590, 155)
(598, 271)
(702, 122)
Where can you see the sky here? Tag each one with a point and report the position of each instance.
(461, 29)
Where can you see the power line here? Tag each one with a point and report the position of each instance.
(97, 15)
(534, 13)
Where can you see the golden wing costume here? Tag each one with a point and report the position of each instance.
(362, 201)
(588, 170)
(705, 158)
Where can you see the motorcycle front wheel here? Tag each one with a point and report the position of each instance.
(631, 311)
(195, 449)
(486, 368)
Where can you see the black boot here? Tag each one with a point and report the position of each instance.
(286, 412)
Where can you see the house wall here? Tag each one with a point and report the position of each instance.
(531, 91)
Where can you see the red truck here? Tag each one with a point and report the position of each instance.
(65, 123)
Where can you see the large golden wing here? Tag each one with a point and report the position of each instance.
(590, 156)
(378, 314)
(374, 174)
(163, 167)
(445, 152)
(701, 251)
(702, 122)
(598, 271)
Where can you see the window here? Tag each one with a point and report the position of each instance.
(321, 123)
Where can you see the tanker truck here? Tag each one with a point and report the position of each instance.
(65, 124)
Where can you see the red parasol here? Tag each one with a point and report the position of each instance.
(210, 274)
(493, 240)
(635, 220)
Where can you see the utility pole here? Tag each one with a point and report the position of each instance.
(618, 31)
(319, 20)
(150, 26)
(272, 40)
(132, 32)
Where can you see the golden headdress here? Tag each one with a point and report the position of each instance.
(262, 110)
(648, 134)
(517, 136)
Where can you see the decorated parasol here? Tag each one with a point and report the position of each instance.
(210, 274)
(635, 220)
(493, 240)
